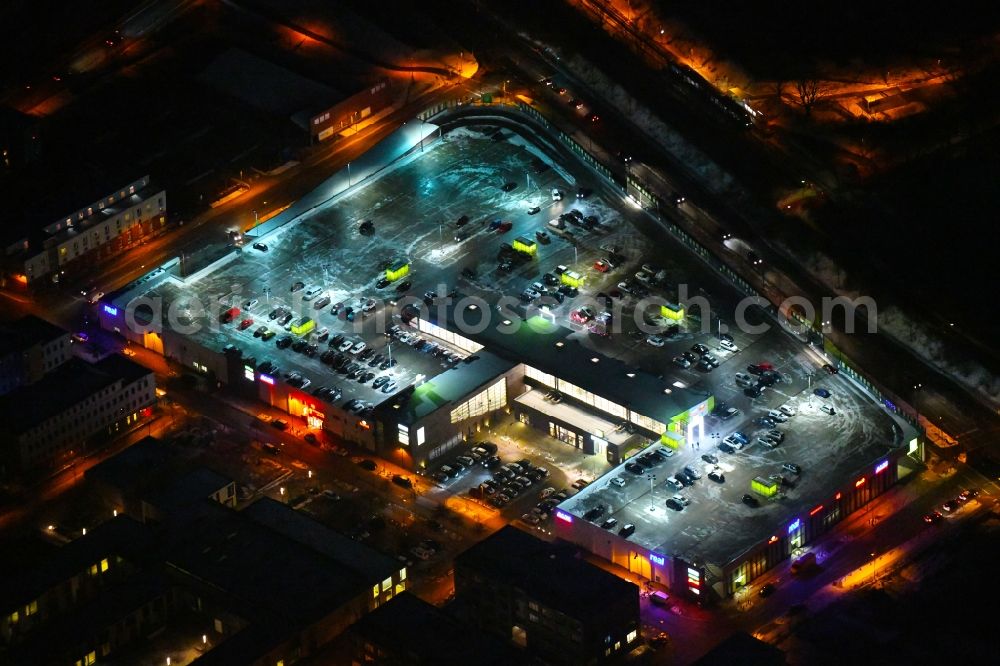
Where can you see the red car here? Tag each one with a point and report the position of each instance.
(504, 227)
(246, 323)
(602, 266)
(765, 366)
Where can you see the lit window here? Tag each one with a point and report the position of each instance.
(14, 617)
(402, 574)
(420, 436)
(375, 590)
(386, 584)
(31, 609)
(487, 401)
(631, 636)
(104, 565)
(404, 434)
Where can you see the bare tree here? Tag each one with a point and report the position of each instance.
(809, 92)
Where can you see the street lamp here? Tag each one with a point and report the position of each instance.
(348, 174)
(652, 480)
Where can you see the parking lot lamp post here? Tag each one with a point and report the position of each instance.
(348, 174)
(652, 480)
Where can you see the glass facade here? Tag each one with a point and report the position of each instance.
(495, 397)
(539, 376)
(454, 339)
(647, 423)
(593, 400)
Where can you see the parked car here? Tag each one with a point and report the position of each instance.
(822, 392)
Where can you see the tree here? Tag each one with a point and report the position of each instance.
(809, 92)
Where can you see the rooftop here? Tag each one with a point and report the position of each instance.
(547, 346)
(742, 648)
(193, 486)
(26, 332)
(266, 575)
(551, 573)
(451, 386)
(348, 553)
(120, 536)
(130, 468)
(409, 626)
(68, 385)
(265, 85)
(36, 204)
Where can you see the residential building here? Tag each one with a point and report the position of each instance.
(30, 348)
(544, 597)
(71, 409)
(44, 244)
(408, 631)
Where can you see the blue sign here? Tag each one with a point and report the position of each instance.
(794, 526)
(111, 310)
(657, 559)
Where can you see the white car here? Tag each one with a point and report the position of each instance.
(777, 415)
(682, 362)
(345, 346)
(312, 292)
(643, 276)
(618, 481)
(249, 304)
(787, 410)
(729, 345)
(655, 341)
(358, 347)
(368, 306)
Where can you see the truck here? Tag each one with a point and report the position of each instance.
(804, 563)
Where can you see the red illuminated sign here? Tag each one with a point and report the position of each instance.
(837, 496)
(816, 510)
(860, 482)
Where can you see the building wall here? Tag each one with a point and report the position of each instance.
(354, 109)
